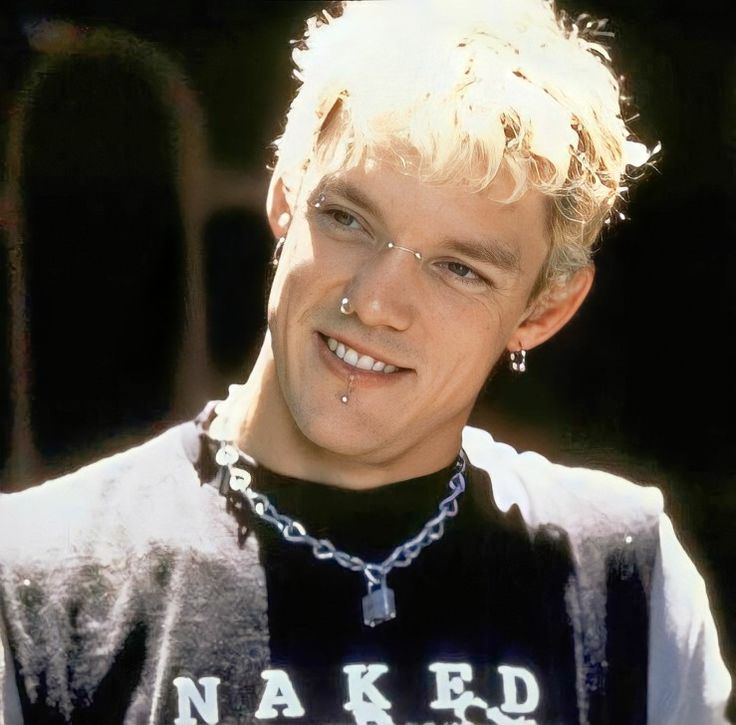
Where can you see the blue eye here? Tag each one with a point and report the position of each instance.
(462, 274)
(460, 270)
(344, 219)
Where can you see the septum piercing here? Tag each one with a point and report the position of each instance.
(391, 245)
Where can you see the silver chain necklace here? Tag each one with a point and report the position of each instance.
(379, 604)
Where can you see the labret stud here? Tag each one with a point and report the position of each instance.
(345, 397)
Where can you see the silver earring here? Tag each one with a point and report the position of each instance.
(345, 307)
(517, 360)
(277, 252)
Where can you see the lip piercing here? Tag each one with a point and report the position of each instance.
(345, 307)
(346, 396)
(391, 245)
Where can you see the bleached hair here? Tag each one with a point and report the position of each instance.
(451, 91)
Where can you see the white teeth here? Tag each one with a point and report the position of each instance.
(365, 362)
(362, 362)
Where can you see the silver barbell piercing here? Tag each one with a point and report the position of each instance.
(346, 308)
(392, 245)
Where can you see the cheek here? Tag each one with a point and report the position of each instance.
(293, 279)
(464, 350)
(476, 344)
(302, 285)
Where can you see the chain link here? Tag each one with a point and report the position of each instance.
(291, 530)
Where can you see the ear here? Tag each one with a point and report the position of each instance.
(277, 207)
(552, 310)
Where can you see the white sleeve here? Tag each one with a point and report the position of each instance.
(10, 713)
(688, 681)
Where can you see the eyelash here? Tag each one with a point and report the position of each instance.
(474, 281)
(326, 216)
(331, 213)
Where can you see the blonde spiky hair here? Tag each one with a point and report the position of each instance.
(451, 91)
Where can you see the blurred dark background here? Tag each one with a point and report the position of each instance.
(135, 141)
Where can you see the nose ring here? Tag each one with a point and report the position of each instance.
(345, 307)
(391, 245)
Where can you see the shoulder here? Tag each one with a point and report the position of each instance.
(603, 515)
(127, 498)
(580, 500)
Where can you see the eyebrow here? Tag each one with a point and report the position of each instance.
(348, 191)
(492, 252)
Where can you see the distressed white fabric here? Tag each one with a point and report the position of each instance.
(10, 713)
(124, 518)
(131, 541)
(688, 680)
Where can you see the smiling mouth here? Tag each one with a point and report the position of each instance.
(357, 360)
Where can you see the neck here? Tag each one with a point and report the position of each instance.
(257, 417)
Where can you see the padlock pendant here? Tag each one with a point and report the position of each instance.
(379, 605)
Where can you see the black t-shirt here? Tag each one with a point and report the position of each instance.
(480, 611)
(125, 598)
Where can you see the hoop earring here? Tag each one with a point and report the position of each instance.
(517, 360)
(277, 252)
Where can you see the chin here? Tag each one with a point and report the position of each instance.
(342, 439)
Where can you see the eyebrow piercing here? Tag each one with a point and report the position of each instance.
(391, 245)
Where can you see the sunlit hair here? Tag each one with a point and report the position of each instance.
(453, 91)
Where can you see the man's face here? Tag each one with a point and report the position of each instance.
(442, 321)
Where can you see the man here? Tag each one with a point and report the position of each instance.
(331, 544)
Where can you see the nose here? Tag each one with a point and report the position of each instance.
(383, 292)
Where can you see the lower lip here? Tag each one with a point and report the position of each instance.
(363, 377)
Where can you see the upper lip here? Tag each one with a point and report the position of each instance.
(363, 350)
